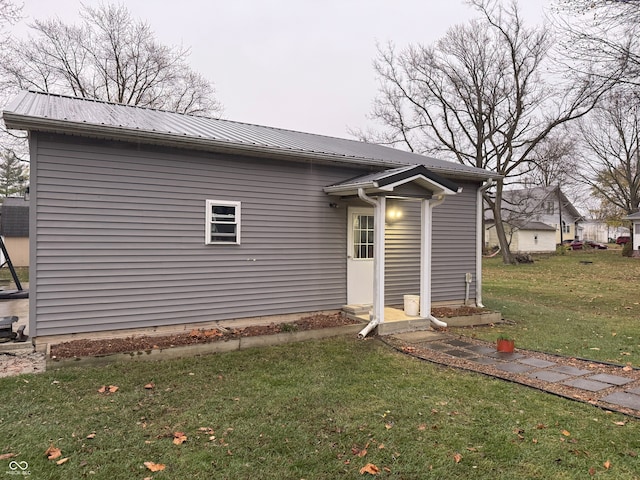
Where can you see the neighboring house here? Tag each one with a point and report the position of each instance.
(635, 220)
(144, 219)
(600, 231)
(536, 220)
(14, 228)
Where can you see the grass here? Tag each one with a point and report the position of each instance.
(562, 304)
(325, 409)
(305, 410)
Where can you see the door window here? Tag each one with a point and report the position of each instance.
(363, 236)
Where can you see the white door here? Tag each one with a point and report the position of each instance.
(360, 256)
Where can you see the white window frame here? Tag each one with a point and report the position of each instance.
(209, 221)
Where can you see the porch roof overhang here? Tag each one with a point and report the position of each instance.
(386, 181)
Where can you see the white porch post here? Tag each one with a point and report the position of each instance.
(426, 229)
(378, 259)
(425, 259)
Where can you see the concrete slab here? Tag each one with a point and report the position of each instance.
(505, 356)
(436, 346)
(459, 353)
(484, 360)
(549, 376)
(573, 371)
(634, 390)
(481, 349)
(584, 384)
(623, 399)
(458, 343)
(513, 367)
(612, 379)
(419, 336)
(536, 362)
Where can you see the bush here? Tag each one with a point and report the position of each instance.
(627, 250)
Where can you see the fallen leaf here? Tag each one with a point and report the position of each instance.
(566, 433)
(592, 471)
(370, 468)
(422, 426)
(627, 368)
(52, 452)
(5, 456)
(386, 469)
(149, 386)
(155, 467)
(62, 460)
(91, 435)
(109, 389)
(179, 438)
(388, 426)
(621, 424)
(457, 457)
(607, 464)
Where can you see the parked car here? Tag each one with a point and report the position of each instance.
(579, 244)
(622, 239)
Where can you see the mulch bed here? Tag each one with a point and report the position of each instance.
(89, 348)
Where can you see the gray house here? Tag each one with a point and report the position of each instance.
(143, 219)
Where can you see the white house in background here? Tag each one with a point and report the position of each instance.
(536, 220)
(599, 231)
(635, 220)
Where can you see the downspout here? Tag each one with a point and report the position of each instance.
(375, 317)
(425, 259)
(479, 229)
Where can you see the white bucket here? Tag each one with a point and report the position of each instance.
(411, 305)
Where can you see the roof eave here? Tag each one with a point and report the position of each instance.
(16, 121)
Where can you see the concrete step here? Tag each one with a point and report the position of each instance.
(401, 326)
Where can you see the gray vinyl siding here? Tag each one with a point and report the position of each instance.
(120, 237)
(454, 245)
(453, 250)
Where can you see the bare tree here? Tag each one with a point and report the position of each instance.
(479, 95)
(610, 137)
(602, 34)
(108, 56)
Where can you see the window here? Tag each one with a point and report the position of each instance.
(363, 236)
(549, 208)
(566, 228)
(223, 222)
(636, 228)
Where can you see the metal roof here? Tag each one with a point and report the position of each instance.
(387, 180)
(45, 112)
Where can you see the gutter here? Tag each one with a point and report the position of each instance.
(479, 226)
(374, 317)
(425, 260)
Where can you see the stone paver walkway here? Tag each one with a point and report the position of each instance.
(611, 387)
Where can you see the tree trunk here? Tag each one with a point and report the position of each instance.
(507, 256)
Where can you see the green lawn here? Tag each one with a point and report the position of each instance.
(562, 304)
(325, 409)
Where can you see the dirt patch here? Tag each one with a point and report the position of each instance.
(462, 311)
(89, 348)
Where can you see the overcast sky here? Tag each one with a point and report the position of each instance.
(297, 64)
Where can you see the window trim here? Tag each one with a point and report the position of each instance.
(209, 204)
